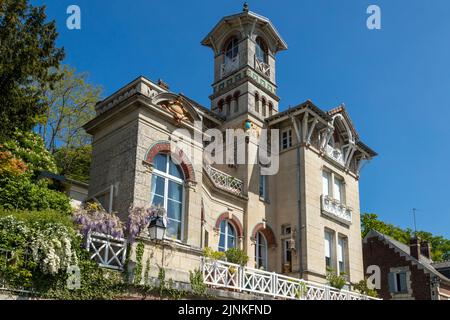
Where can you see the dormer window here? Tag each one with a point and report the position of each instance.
(261, 50)
(231, 49)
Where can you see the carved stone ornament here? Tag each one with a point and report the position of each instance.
(177, 109)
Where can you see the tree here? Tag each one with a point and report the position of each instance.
(27, 56)
(71, 104)
(74, 163)
(440, 246)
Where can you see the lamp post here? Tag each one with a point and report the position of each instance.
(157, 228)
(157, 231)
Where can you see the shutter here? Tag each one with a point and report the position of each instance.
(403, 286)
(337, 189)
(392, 285)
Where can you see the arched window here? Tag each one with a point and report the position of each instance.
(236, 101)
(257, 102)
(227, 239)
(261, 251)
(264, 106)
(231, 48)
(220, 106)
(270, 109)
(261, 50)
(228, 104)
(167, 191)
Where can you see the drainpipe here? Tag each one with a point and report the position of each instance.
(299, 193)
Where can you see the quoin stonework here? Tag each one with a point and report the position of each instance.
(296, 222)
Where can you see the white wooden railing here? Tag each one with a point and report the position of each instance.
(224, 181)
(262, 67)
(335, 209)
(107, 251)
(227, 275)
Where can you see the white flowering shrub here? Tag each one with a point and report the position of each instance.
(52, 248)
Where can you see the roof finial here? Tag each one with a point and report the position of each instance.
(245, 9)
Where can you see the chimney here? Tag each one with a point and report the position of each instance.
(414, 247)
(425, 249)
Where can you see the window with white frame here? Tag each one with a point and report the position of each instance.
(286, 139)
(227, 238)
(342, 254)
(261, 251)
(333, 186)
(167, 191)
(329, 251)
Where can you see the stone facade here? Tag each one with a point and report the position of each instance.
(144, 119)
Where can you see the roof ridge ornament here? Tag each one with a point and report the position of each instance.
(245, 7)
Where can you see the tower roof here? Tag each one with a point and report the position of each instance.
(246, 22)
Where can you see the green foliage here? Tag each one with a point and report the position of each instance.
(24, 194)
(236, 256)
(335, 280)
(364, 289)
(20, 187)
(197, 284)
(138, 268)
(30, 148)
(440, 246)
(27, 54)
(71, 104)
(215, 255)
(74, 163)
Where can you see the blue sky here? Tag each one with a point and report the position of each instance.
(395, 82)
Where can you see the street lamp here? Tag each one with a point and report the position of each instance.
(157, 228)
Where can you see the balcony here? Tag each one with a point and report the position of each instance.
(336, 210)
(229, 66)
(335, 154)
(224, 181)
(262, 67)
(220, 274)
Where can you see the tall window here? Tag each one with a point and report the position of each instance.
(261, 251)
(342, 254)
(263, 187)
(286, 139)
(167, 192)
(287, 258)
(261, 50)
(227, 238)
(329, 244)
(231, 49)
(333, 186)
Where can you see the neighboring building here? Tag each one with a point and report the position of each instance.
(77, 191)
(298, 222)
(407, 272)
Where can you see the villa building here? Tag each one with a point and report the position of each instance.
(298, 222)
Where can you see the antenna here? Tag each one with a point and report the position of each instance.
(415, 225)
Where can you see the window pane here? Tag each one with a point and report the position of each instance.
(175, 191)
(231, 242)
(158, 201)
(160, 162)
(222, 242)
(326, 183)
(174, 210)
(337, 189)
(223, 226)
(173, 229)
(158, 185)
(231, 230)
(175, 170)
